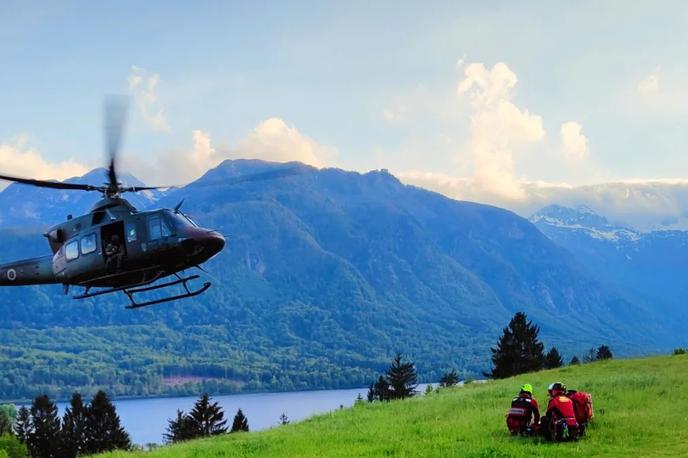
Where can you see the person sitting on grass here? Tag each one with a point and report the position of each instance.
(524, 414)
(582, 406)
(560, 422)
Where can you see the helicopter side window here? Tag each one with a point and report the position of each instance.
(157, 228)
(131, 233)
(72, 250)
(88, 244)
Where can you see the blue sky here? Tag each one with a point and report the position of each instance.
(354, 85)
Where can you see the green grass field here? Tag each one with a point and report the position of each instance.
(641, 408)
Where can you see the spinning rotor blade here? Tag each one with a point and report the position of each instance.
(116, 108)
(142, 188)
(52, 184)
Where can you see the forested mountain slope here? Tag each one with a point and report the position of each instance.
(326, 274)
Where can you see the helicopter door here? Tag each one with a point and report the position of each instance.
(113, 246)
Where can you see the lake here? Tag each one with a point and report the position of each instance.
(146, 419)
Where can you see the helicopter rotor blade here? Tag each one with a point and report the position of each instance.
(52, 184)
(142, 188)
(116, 108)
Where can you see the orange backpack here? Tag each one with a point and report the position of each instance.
(582, 405)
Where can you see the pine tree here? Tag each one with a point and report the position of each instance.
(381, 390)
(240, 422)
(402, 378)
(450, 378)
(603, 353)
(103, 429)
(23, 426)
(371, 393)
(44, 439)
(553, 359)
(590, 356)
(179, 429)
(74, 428)
(207, 419)
(518, 350)
(574, 361)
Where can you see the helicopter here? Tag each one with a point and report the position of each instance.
(116, 248)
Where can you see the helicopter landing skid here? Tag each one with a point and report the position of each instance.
(131, 292)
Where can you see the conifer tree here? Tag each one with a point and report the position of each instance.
(381, 389)
(103, 429)
(240, 422)
(553, 359)
(590, 356)
(74, 428)
(518, 350)
(603, 353)
(402, 378)
(44, 439)
(371, 393)
(23, 426)
(206, 419)
(179, 429)
(450, 378)
(574, 361)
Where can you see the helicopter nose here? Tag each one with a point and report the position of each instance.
(213, 242)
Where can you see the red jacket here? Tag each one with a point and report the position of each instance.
(562, 407)
(528, 406)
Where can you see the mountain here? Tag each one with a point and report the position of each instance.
(327, 273)
(649, 265)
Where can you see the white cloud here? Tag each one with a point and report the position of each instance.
(271, 140)
(274, 140)
(392, 115)
(649, 85)
(499, 129)
(18, 158)
(644, 204)
(144, 88)
(574, 143)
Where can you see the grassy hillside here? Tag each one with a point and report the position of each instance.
(641, 410)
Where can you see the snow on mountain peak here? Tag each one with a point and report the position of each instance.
(582, 218)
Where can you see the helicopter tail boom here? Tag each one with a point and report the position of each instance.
(34, 271)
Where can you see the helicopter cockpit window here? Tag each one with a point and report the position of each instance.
(72, 250)
(179, 220)
(88, 244)
(157, 228)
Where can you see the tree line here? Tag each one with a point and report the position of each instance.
(205, 419)
(401, 380)
(519, 350)
(84, 429)
(38, 431)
